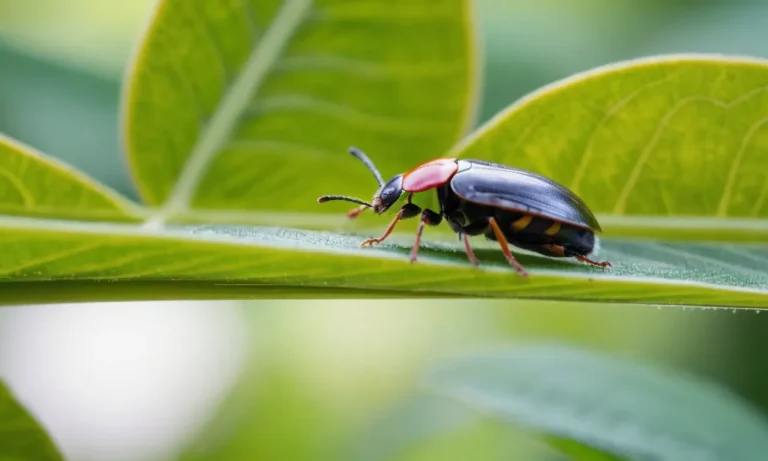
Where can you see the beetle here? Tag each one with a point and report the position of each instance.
(505, 204)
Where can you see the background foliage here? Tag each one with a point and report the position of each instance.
(308, 355)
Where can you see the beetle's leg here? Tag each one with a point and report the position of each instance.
(355, 212)
(427, 217)
(409, 210)
(505, 247)
(560, 251)
(594, 263)
(468, 248)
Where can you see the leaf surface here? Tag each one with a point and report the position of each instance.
(21, 436)
(242, 105)
(633, 410)
(664, 137)
(233, 262)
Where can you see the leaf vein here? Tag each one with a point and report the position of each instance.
(49, 257)
(354, 116)
(277, 145)
(366, 69)
(725, 199)
(213, 44)
(26, 196)
(235, 101)
(587, 153)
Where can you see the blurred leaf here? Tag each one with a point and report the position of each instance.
(35, 185)
(66, 113)
(580, 452)
(669, 137)
(250, 105)
(427, 427)
(530, 43)
(91, 35)
(411, 421)
(21, 436)
(629, 409)
(711, 27)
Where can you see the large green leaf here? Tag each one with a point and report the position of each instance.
(226, 262)
(233, 262)
(634, 410)
(21, 436)
(243, 105)
(675, 137)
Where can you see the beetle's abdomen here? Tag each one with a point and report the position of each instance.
(537, 234)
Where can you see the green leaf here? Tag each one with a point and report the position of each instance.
(667, 137)
(630, 409)
(405, 425)
(241, 105)
(21, 436)
(580, 452)
(232, 262)
(429, 427)
(235, 262)
(32, 184)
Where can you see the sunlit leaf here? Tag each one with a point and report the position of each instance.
(21, 436)
(32, 184)
(252, 104)
(233, 262)
(675, 136)
(633, 410)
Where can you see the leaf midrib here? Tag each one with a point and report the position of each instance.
(236, 100)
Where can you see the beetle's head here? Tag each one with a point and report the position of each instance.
(386, 195)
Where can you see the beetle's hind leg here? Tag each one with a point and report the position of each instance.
(505, 246)
(468, 249)
(491, 229)
(560, 251)
(602, 264)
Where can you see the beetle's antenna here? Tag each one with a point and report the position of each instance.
(328, 198)
(360, 155)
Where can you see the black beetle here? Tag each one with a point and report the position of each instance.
(506, 204)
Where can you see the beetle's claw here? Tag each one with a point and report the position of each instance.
(603, 264)
(369, 242)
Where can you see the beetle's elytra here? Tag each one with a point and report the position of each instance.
(505, 204)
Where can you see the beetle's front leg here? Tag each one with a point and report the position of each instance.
(427, 217)
(409, 210)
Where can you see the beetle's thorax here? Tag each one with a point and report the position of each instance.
(430, 175)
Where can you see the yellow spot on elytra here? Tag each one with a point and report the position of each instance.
(522, 223)
(553, 229)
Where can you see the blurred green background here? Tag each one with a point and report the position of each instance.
(139, 381)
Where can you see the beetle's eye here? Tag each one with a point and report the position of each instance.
(387, 193)
(391, 190)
